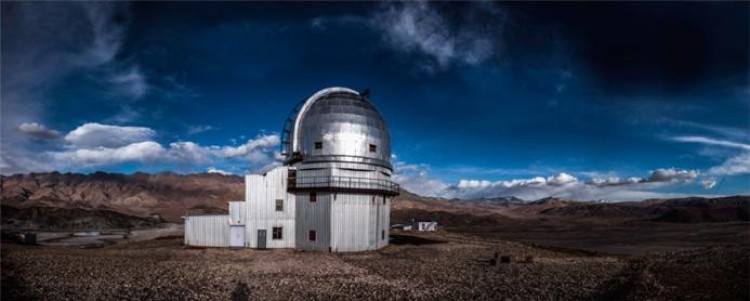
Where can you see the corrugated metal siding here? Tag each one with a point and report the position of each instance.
(261, 192)
(357, 221)
(237, 213)
(343, 222)
(207, 230)
(314, 216)
(385, 222)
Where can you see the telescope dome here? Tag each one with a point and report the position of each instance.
(339, 124)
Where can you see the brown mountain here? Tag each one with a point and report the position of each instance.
(168, 196)
(679, 210)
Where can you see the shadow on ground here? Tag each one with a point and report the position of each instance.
(399, 239)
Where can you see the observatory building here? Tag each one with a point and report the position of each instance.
(332, 193)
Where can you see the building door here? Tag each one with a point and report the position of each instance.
(262, 239)
(236, 236)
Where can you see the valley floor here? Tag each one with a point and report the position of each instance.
(416, 266)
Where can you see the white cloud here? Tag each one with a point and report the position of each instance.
(415, 178)
(672, 175)
(418, 27)
(736, 165)
(107, 35)
(567, 186)
(252, 147)
(712, 141)
(94, 145)
(708, 183)
(101, 156)
(562, 179)
(130, 82)
(95, 135)
(189, 152)
(218, 171)
(197, 129)
(38, 130)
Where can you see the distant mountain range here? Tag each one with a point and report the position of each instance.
(56, 200)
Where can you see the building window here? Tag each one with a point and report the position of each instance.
(373, 148)
(278, 232)
(383, 200)
(312, 235)
(382, 234)
(313, 197)
(318, 145)
(279, 205)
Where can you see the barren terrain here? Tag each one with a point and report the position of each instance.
(672, 249)
(433, 266)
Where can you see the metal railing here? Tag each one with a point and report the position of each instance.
(339, 183)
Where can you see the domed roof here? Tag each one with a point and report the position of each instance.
(339, 124)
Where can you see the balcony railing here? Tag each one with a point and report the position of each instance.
(343, 184)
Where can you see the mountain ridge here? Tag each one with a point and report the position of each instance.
(169, 196)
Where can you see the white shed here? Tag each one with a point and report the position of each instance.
(425, 226)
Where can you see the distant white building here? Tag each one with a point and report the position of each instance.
(333, 192)
(425, 226)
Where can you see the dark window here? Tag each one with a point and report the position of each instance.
(373, 148)
(383, 200)
(313, 197)
(279, 205)
(312, 235)
(318, 145)
(277, 232)
(382, 235)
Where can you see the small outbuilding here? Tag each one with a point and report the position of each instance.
(425, 225)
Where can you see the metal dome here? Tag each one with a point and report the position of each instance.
(338, 125)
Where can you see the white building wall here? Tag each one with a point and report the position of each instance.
(237, 213)
(358, 222)
(207, 230)
(261, 193)
(314, 216)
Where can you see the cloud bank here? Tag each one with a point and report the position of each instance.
(96, 145)
(416, 178)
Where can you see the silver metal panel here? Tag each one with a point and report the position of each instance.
(366, 181)
(314, 216)
(346, 124)
(207, 230)
(343, 165)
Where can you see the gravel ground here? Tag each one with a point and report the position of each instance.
(440, 266)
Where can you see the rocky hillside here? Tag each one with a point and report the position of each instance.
(679, 210)
(169, 196)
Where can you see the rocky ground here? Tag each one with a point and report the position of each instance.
(444, 266)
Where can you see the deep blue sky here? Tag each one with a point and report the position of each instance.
(527, 99)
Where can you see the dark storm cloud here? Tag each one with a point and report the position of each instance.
(632, 47)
